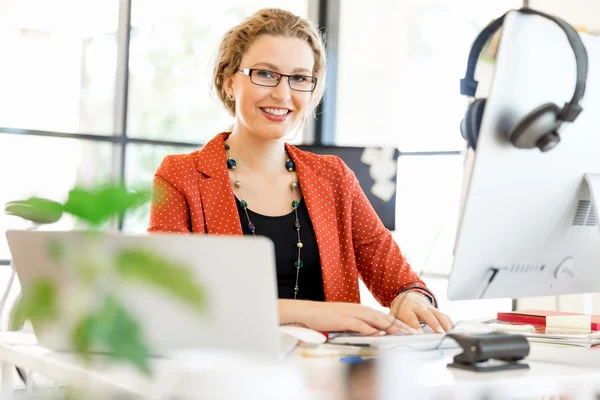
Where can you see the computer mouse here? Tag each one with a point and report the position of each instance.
(471, 328)
(305, 335)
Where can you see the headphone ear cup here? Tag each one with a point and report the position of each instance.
(472, 122)
(463, 128)
(537, 129)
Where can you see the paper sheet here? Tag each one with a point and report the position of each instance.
(574, 322)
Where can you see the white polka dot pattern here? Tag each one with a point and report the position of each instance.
(192, 193)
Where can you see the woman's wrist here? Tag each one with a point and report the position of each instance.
(290, 311)
(410, 291)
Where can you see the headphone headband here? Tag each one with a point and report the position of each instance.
(468, 85)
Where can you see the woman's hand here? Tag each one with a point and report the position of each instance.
(339, 317)
(413, 308)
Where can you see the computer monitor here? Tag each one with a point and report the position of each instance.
(530, 218)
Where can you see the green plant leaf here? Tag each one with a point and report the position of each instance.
(82, 336)
(35, 209)
(56, 250)
(96, 206)
(172, 277)
(113, 328)
(38, 304)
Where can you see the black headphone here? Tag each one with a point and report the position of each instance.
(539, 127)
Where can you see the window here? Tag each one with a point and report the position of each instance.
(173, 46)
(60, 78)
(172, 49)
(398, 80)
(62, 119)
(61, 74)
(398, 84)
(142, 161)
(47, 167)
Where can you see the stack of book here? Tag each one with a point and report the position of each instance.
(533, 325)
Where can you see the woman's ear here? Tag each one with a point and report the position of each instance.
(228, 86)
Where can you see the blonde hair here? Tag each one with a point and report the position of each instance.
(268, 21)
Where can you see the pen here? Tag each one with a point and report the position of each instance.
(336, 351)
(356, 359)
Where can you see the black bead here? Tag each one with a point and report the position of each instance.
(231, 163)
(251, 227)
(226, 146)
(289, 165)
(297, 225)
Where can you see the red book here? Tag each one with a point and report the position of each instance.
(538, 317)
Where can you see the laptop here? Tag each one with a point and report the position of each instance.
(236, 273)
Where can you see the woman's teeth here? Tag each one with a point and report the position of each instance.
(276, 111)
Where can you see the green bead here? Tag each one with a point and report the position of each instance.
(298, 264)
(294, 204)
(244, 204)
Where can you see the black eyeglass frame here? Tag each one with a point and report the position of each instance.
(249, 71)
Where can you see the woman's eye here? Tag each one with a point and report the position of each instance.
(298, 78)
(265, 74)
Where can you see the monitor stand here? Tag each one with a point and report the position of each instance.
(565, 267)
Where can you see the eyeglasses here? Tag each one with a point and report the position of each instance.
(263, 77)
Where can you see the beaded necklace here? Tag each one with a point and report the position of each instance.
(289, 165)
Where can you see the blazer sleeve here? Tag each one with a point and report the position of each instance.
(169, 210)
(382, 267)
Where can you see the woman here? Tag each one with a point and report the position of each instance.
(270, 75)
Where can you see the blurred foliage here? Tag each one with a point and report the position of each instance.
(114, 329)
(172, 277)
(39, 306)
(108, 326)
(36, 210)
(98, 205)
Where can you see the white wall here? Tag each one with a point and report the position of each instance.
(579, 13)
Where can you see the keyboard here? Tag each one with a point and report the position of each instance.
(423, 341)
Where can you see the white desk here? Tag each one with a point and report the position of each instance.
(325, 376)
(434, 380)
(426, 376)
(207, 373)
(21, 349)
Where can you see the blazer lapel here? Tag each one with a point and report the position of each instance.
(218, 201)
(321, 204)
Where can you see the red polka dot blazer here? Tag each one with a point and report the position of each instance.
(196, 196)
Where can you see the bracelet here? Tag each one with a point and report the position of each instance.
(411, 291)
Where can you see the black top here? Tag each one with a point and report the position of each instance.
(282, 231)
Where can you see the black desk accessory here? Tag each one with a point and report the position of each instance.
(486, 352)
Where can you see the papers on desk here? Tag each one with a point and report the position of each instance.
(586, 341)
(554, 336)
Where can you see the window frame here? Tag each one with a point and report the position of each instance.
(324, 13)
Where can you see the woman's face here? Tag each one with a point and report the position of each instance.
(272, 112)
